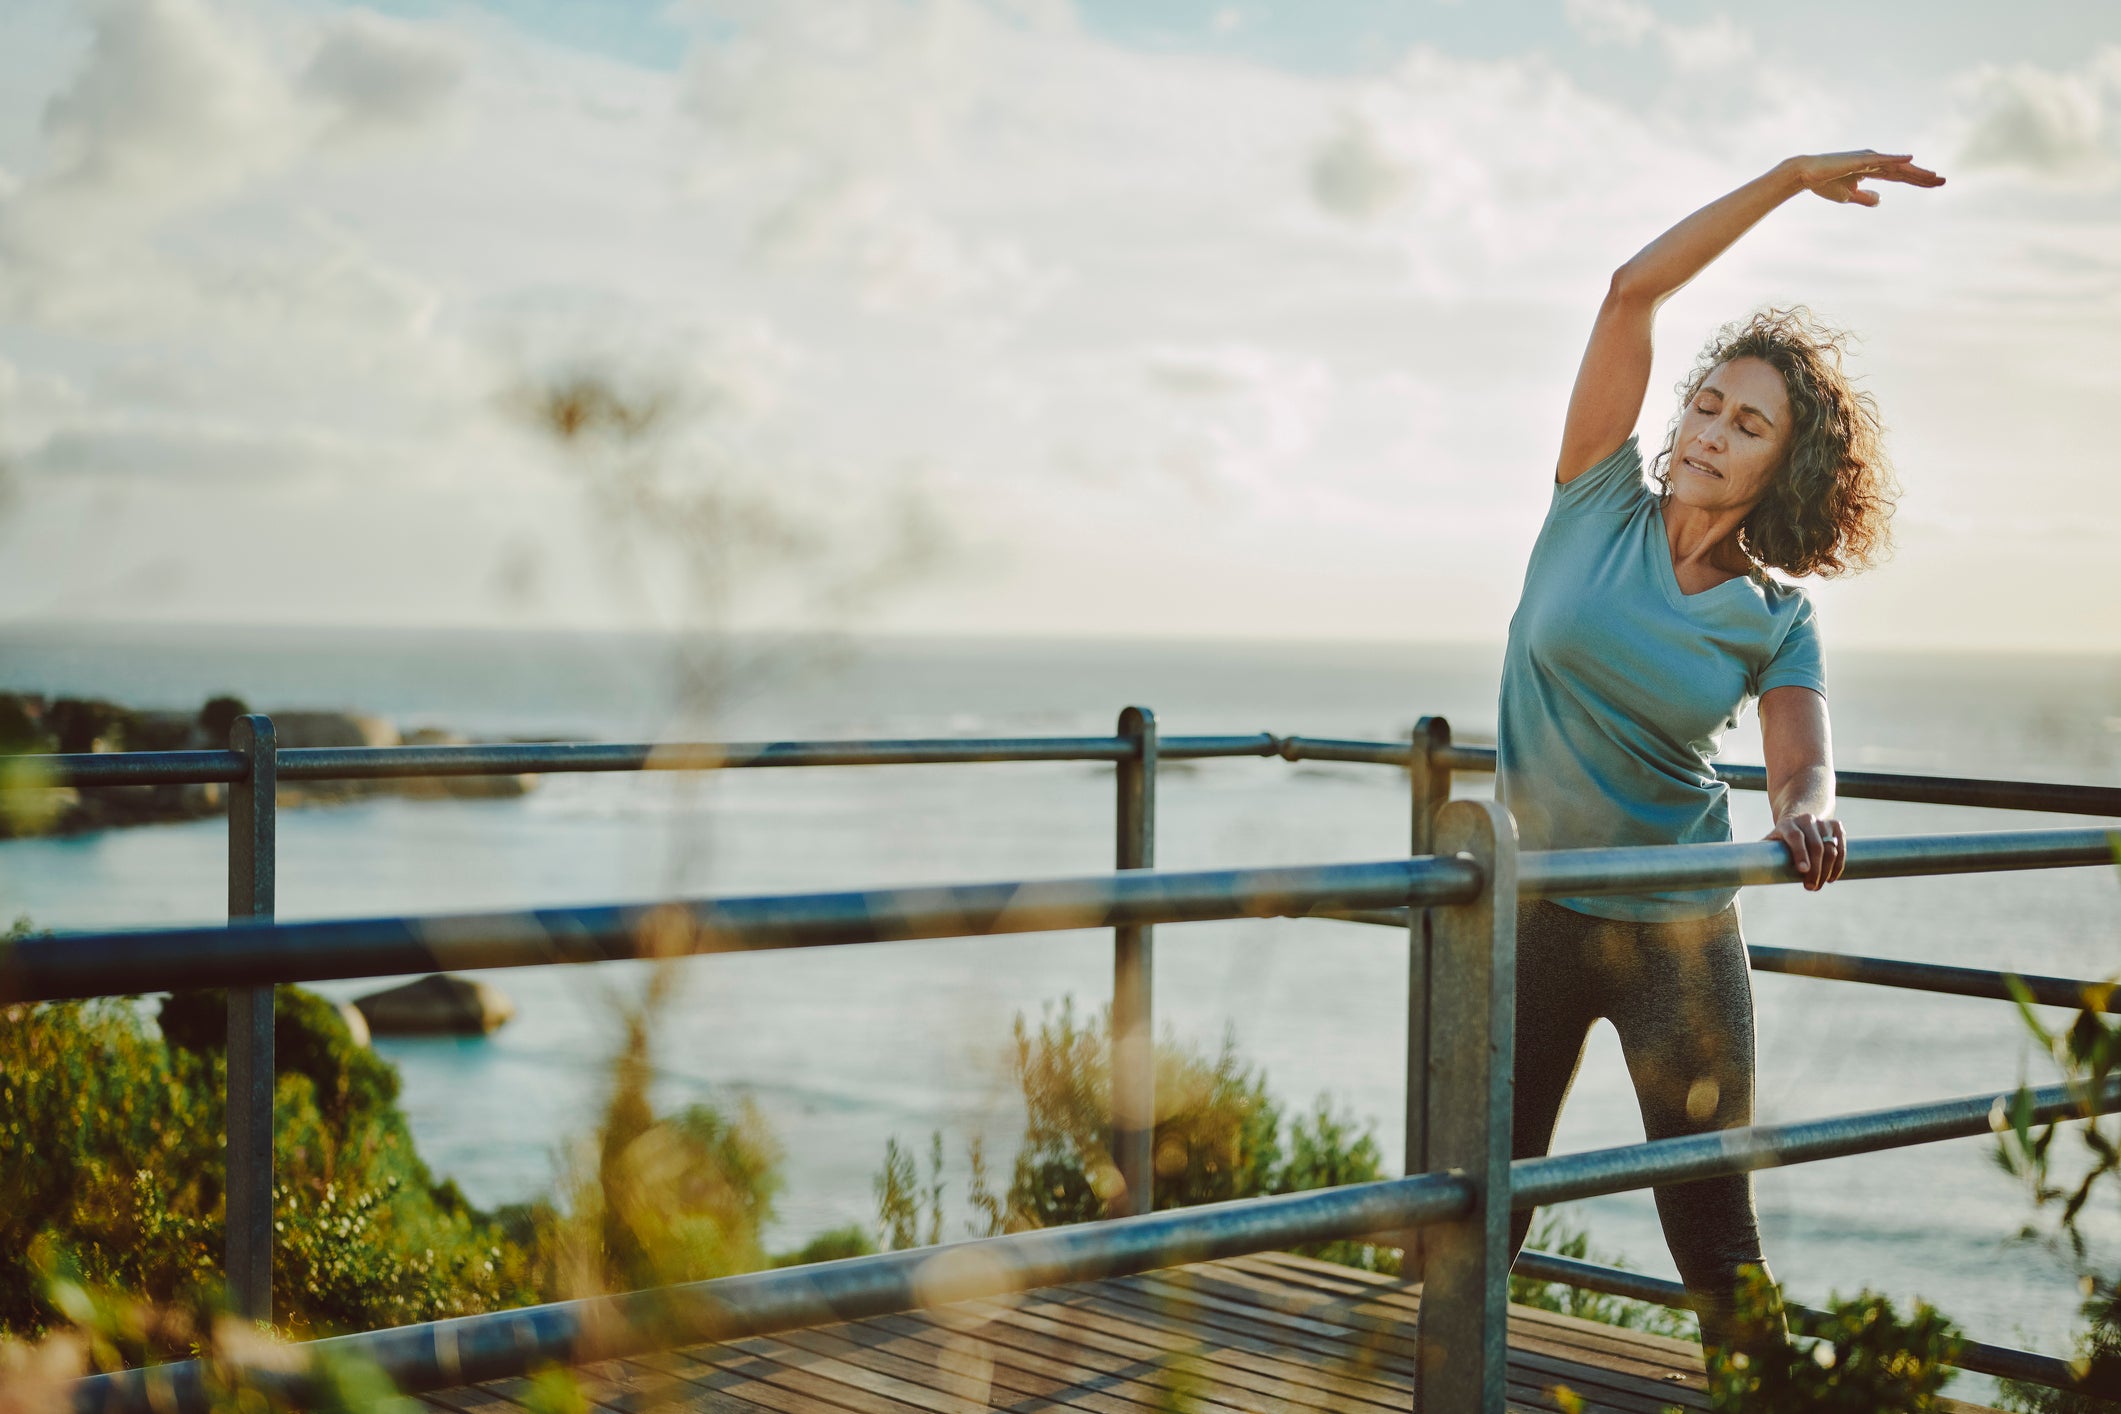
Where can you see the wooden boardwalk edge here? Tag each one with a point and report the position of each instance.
(1267, 1332)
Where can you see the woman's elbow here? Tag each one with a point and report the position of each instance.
(1628, 287)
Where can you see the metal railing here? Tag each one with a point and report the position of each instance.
(1455, 895)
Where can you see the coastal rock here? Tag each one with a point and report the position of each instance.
(459, 787)
(356, 1023)
(298, 730)
(32, 725)
(301, 729)
(436, 1005)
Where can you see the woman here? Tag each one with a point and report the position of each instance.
(1648, 619)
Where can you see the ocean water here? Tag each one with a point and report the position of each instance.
(842, 1049)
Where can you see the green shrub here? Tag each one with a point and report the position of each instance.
(840, 1243)
(1217, 1135)
(1864, 1358)
(113, 1131)
(654, 1200)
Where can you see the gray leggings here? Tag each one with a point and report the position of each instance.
(1681, 997)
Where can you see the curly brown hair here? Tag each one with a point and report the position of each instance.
(1827, 510)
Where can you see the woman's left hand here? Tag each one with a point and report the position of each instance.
(1818, 846)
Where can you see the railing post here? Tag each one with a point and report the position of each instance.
(1463, 1339)
(1431, 782)
(1133, 973)
(248, 1151)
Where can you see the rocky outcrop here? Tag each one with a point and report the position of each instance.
(343, 729)
(436, 1005)
(32, 725)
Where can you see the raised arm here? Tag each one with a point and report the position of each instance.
(1607, 399)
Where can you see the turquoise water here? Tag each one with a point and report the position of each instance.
(843, 1048)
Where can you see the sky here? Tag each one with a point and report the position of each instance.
(1017, 318)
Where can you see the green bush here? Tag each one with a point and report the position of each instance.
(1863, 1358)
(1217, 1135)
(841, 1242)
(113, 1130)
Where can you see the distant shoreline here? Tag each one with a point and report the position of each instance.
(33, 725)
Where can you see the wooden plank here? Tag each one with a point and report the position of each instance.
(1390, 1342)
(1544, 1330)
(1270, 1331)
(970, 1367)
(1272, 1372)
(1626, 1373)
(1391, 1291)
(789, 1389)
(1021, 1366)
(1327, 1380)
(1528, 1367)
(703, 1396)
(1249, 1349)
(1109, 1351)
(1067, 1385)
(926, 1391)
(1527, 1384)
(1309, 1270)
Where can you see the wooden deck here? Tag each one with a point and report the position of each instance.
(1271, 1332)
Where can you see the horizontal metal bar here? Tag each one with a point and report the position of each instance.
(1558, 1178)
(470, 1349)
(2051, 797)
(1648, 868)
(105, 964)
(1378, 753)
(70, 965)
(1934, 977)
(548, 758)
(1878, 971)
(1982, 1358)
(357, 763)
(1477, 759)
(125, 768)
(1196, 748)
(534, 758)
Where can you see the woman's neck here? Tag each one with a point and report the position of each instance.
(1705, 542)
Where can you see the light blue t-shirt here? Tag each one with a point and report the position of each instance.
(1617, 688)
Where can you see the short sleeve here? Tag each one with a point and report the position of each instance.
(1799, 661)
(1614, 484)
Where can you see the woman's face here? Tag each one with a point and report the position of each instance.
(1731, 437)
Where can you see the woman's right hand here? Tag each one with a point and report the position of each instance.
(1839, 176)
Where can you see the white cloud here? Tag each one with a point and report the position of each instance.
(381, 76)
(845, 110)
(1354, 175)
(1716, 44)
(1611, 21)
(859, 83)
(198, 449)
(2044, 122)
(175, 107)
(897, 253)
(1265, 306)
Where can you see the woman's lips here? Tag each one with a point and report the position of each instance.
(1705, 471)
